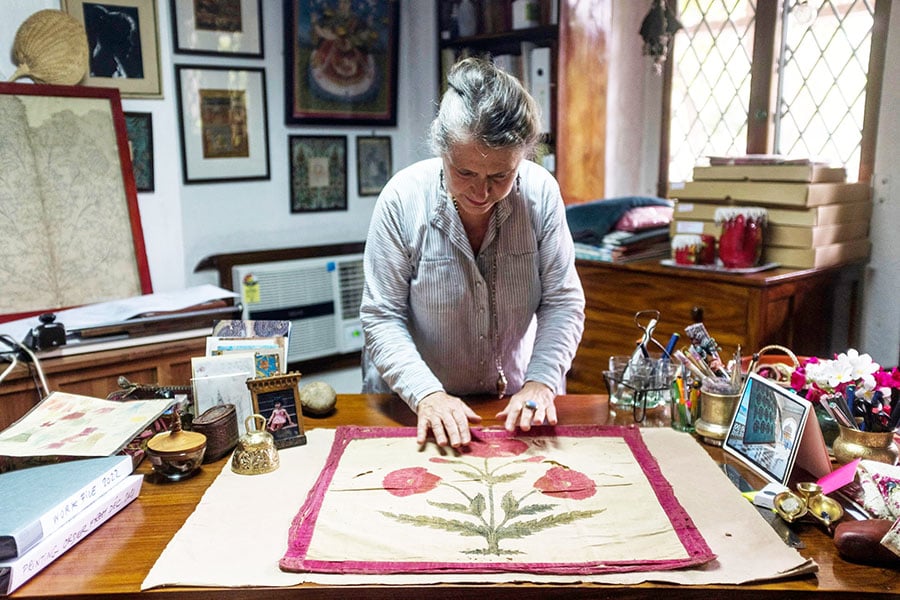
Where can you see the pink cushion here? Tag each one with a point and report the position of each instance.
(645, 217)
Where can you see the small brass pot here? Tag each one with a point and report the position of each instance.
(716, 412)
(851, 444)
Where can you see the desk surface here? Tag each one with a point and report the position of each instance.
(114, 560)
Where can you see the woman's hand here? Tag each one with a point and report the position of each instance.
(532, 405)
(447, 417)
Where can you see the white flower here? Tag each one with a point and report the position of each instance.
(850, 367)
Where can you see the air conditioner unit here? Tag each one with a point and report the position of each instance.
(320, 296)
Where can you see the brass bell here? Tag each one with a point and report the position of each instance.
(255, 452)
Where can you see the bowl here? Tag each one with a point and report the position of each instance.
(176, 454)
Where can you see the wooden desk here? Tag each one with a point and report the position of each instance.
(813, 311)
(113, 561)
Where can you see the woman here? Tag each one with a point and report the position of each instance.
(469, 266)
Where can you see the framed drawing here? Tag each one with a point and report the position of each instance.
(373, 164)
(318, 166)
(341, 61)
(277, 399)
(140, 141)
(224, 27)
(222, 113)
(72, 233)
(123, 42)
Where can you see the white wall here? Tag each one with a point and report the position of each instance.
(182, 224)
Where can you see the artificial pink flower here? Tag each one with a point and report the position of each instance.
(496, 448)
(409, 481)
(560, 482)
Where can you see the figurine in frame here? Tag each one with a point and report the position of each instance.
(277, 399)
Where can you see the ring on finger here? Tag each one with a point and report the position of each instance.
(531, 405)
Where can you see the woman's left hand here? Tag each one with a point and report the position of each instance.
(532, 405)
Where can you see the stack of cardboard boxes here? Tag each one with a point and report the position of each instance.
(815, 218)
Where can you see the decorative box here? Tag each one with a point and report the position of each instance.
(219, 425)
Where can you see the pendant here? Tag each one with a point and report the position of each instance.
(501, 383)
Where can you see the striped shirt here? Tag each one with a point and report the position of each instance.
(426, 306)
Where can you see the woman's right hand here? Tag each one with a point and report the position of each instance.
(447, 417)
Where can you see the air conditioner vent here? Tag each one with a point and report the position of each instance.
(351, 277)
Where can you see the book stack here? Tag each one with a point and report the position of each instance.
(814, 217)
(48, 509)
(627, 246)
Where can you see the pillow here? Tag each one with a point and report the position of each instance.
(645, 217)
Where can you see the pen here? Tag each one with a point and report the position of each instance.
(671, 345)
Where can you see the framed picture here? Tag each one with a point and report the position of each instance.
(222, 113)
(772, 429)
(69, 201)
(277, 399)
(341, 61)
(123, 42)
(140, 141)
(217, 27)
(318, 166)
(373, 164)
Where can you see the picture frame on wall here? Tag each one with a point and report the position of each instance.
(231, 27)
(374, 164)
(341, 62)
(140, 141)
(70, 201)
(318, 168)
(223, 123)
(123, 45)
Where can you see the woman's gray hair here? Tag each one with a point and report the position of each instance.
(487, 105)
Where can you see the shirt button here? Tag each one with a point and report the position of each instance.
(480, 337)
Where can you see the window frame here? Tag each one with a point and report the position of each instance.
(760, 124)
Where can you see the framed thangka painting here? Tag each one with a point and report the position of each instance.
(341, 61)
(318, 172)
(140, 142)
(223, 123)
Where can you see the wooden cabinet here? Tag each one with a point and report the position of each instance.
(812, 312)
(96, 373)
(577, 41)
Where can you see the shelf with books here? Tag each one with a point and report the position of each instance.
(549, 53)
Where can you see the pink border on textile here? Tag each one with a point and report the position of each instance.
(301, 531)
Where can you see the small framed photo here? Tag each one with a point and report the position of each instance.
(123, 45)
(277, 399)
(318, 167)
(222, 113)
(140, 142)
(373, 164)
(773, 429)
(218, 27)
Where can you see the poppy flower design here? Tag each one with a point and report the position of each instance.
(559, 482)
(409, 481)
(496, 448)
(489, 504)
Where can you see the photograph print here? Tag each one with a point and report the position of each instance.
(123, 45)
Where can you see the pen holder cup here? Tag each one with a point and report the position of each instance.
(851, 444)
(716, 413)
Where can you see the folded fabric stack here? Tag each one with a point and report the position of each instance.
(621, 229)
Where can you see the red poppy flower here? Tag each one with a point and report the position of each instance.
(409, 481)
(560, 482)
(495, 448)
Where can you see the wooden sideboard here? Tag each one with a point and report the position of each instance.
(96, 373)
(812, 311)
